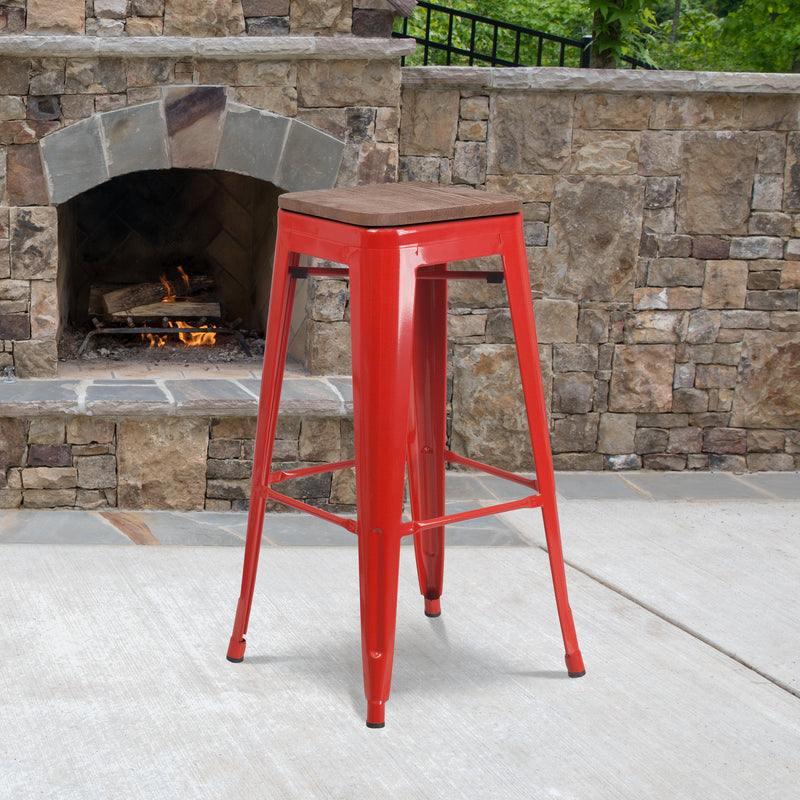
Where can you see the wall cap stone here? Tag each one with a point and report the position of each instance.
(212, 397)
(620, 81)
(261, 48)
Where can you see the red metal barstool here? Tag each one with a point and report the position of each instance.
(395, 242)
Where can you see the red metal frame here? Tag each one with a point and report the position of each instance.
(398, 300)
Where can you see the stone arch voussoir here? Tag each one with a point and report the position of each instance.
(193, 127)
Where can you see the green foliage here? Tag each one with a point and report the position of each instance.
(569, 18)
(719, 35)
(756, 36)
(764, 35)
(619, 28)
(696, 46)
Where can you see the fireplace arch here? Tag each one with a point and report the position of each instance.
(120, 178)
(194, 127)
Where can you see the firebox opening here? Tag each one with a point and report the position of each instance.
(165, 248)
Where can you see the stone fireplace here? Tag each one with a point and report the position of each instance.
(191, 182)
(139, 136)
(137, 154)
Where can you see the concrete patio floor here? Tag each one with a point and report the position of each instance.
(114, 682)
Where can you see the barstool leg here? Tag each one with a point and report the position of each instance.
(427, 435)
(521, 307)
(277, 339)
(381, 302)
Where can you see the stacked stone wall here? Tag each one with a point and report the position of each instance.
(201, 18)
(662, 224)
(661, 215)
(188, 463)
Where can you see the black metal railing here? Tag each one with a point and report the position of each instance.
(448, 37)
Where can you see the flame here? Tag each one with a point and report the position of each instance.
(193, 339)
(170, 296)
(185, 280)
(196, 338)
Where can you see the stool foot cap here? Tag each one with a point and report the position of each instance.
(236, 650)
(433, 607)
(575, 664)
(376, 713)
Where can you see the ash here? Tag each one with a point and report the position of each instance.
(131, 349)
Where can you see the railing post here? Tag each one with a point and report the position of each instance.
(427, 36)
(472, 42)
(450, 39)
(586, 52)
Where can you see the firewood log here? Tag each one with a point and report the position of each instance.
(185, 309)
(139, 294)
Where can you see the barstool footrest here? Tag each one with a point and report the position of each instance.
(344, 522)
(414, 526)
(454, 458)
(532, 501)
(288, 474)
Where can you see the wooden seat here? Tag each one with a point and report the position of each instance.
(395, 242)
(395, 205)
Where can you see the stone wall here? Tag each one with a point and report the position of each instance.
(662, 215)
(662, 218)
(179, 439)
(199, 18)
(175, 462)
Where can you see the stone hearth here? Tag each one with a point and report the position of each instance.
(165, 437)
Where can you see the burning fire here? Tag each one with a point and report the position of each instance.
(171, 296)
(190, 339)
